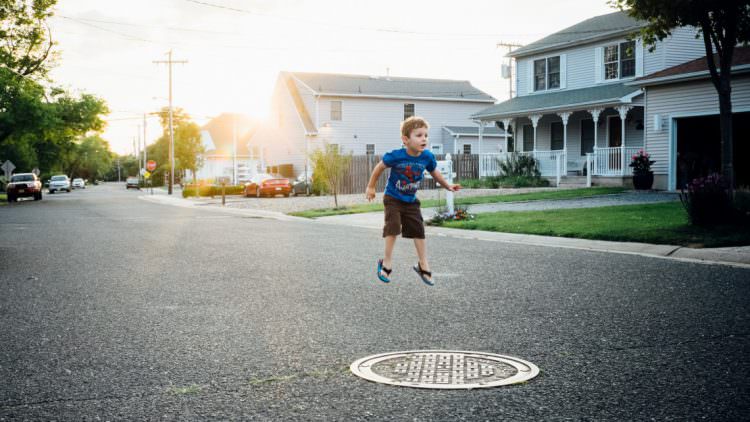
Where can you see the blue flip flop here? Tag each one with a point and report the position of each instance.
(382, 269)
(422, 273)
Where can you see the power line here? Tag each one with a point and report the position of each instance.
(170, 62)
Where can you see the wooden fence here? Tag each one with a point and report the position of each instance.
(466, 166)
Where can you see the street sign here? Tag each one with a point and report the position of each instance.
(8, 168)
(151, 165)
(36, 171)
(142, 172)
(146, 174)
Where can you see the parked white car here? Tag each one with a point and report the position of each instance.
(78, 183)
(59, 182)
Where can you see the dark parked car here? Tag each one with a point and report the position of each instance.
(263, 184)
(24, 185)
(302, 185)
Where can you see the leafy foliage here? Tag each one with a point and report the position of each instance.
(328, 167)
(27, 40)
(707, 200)
(641, 162)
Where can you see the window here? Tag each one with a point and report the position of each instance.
(408, 111)
(467, 148)
(370, 149)
(547, 73)
(619, 60)
(556, 136)
(528, 138)
(335, 110)
(587, 136)
(511, 146)
(437, 149)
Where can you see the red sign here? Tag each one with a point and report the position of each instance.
(151, 165)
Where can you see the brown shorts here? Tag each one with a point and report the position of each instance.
(402, 218)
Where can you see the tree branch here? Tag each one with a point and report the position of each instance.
(706, 28)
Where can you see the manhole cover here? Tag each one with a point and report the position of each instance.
(444, 369)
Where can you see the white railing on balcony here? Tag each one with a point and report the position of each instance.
(613, 161)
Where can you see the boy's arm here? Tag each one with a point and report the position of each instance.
(444, 183)
(376, 172)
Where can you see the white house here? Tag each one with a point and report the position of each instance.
(574, 95)
(362, 115)
(227, 153)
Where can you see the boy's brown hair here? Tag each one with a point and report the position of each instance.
(413, 122)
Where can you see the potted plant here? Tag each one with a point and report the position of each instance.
(643, 177)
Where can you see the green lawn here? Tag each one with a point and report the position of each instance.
(664, 223)
(429, 203)
(3, 199)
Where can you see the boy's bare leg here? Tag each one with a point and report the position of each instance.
(422, 254)
(390, 242)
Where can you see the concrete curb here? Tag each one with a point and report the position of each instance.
(184, 203)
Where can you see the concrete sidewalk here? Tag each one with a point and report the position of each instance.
(734, 256)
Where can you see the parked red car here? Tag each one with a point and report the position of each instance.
(24, 185)
(267, 184)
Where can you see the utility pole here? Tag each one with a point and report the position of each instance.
(145, 150)
(234, 148)
(510, 46)
(118, 170)
(170, 62)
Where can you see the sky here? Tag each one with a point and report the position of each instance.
(235, 48)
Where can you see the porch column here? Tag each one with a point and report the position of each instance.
(506, 125)
(623, 110)
(565, 116)
(595, 112)
(534, 122)
(455, 144)
(481, 135)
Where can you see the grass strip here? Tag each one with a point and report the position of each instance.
(663, 223)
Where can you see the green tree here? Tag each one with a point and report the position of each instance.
(187, 142)
(723, 24)
(26, 38)
(329, 166)
(94, 159)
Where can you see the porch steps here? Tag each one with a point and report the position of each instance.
(568, 181)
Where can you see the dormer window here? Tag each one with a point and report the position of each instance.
(619, 60)
(547, 73)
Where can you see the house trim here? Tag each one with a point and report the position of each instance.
(605, 103)
(403, 97)
(685, 77)
(577, 42)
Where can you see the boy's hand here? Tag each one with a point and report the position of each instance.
(454, 188)
(370, 193)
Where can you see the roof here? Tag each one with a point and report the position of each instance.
(474, 131)
(591, 29)
(559, 101)
(692, 69)
(332, 84)
(217, 134)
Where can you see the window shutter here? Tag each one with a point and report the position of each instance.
(563, 71)
(638, 57)
(598, 64)
(530, 65)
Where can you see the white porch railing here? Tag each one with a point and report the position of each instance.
(613, 161)
(489, 164)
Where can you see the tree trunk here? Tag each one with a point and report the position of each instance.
(725, 123)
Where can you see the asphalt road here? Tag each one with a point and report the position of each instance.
(115, 308)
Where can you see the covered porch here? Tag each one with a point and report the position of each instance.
(590, 131)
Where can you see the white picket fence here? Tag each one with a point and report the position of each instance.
(613, 161)
(489, 163)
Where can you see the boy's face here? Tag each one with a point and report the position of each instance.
(417, 140)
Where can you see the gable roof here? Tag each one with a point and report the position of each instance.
(217, 134)
(559, 101)
(341, 85)
(697, 68)
(598, 27)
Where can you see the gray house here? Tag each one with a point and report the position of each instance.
(362, 114)
(575, 97)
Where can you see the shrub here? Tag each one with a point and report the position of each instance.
(708, 201)
(519, 165)
(442, 215)
(212, 190)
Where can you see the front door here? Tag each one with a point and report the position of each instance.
(587, 136)
(615, 131)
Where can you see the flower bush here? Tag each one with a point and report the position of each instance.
(708, 201)
(641, 162)
(442, 215)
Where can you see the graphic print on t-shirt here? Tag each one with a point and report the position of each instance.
(409, 175)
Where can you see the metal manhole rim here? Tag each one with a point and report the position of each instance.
(525, 369)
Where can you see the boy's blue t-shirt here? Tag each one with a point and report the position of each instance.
(406, 173)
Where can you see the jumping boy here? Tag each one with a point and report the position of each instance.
(402, 209)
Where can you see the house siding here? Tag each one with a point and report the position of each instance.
(683, 100)
(680, 47)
